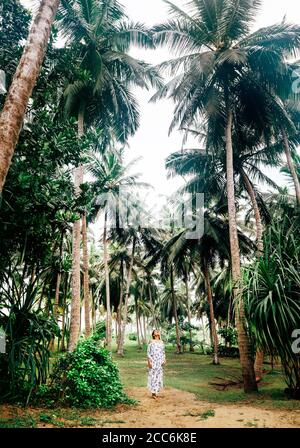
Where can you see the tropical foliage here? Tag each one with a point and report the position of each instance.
(73, 277)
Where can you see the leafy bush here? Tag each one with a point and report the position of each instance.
(132, 336)
(100, 331)
(87, 377)
(272, 295)
(29, 332)
(229, 334)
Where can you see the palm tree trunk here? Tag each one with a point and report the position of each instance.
(75, 303)
(243, 340)
(151, 302)
(123, 330)
(86, 279)
(258, 364)
(291, 165)
(211, 313)
(145, 328)
(107, 286)
(178, 342)
(119, 311)
(259, 357)
(137, 323)
(93, 314)
(188, 311)
(23, 82)
(58, 278)
(259, 227)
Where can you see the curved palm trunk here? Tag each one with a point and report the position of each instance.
(243, 340)
(212, 314)
(23, 82)
(291, 166)
(178, 342)
(107, 288)
(123, 330)
(259, 227)
(188, 311)
(75, 303)
(86, 279)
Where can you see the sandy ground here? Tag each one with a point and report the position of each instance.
(178, 409)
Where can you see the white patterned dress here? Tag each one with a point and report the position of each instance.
(156, 355)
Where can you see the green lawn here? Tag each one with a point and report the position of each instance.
(192, 372)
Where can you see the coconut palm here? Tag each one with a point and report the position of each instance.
(98, 93)
(111, 176)
(223, 63)
(13, 112)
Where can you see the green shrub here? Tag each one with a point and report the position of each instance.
(229, 334)
(100, 331)
(132, 336)
(87, 377)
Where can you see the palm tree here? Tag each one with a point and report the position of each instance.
(99, 94)
(138, 238)
(110, 177)
(13, 112)
(223, 63)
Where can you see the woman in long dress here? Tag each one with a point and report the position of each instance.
(156, 360)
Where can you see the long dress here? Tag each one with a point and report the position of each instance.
(156, 354)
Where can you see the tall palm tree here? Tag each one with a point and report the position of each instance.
(221, 62)
(13, 112)
(139, 239)
(111, 175)
(99, 92)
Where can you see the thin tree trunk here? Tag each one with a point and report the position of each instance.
(151, 302)
(86, 279)
(188, 311)
(123, 330)
(243, 340)
(94, 314)
(291, 165)
(137, 323)
(58, 278)
(107, 286)
(75, 303)
(145, 329)
(119, 310)
(63, 323)
(13, 112)
(211, 313)
(141, 329)
(258, 222)
(178, 342)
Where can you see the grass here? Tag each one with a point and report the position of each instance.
(61, 418)
(191, 372)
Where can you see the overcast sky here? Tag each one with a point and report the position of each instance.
(152, 141)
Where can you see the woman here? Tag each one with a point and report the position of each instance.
(156, 361)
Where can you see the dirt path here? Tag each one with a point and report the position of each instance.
(178, 409)
(174, 409)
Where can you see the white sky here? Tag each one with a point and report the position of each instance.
(152, 141)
